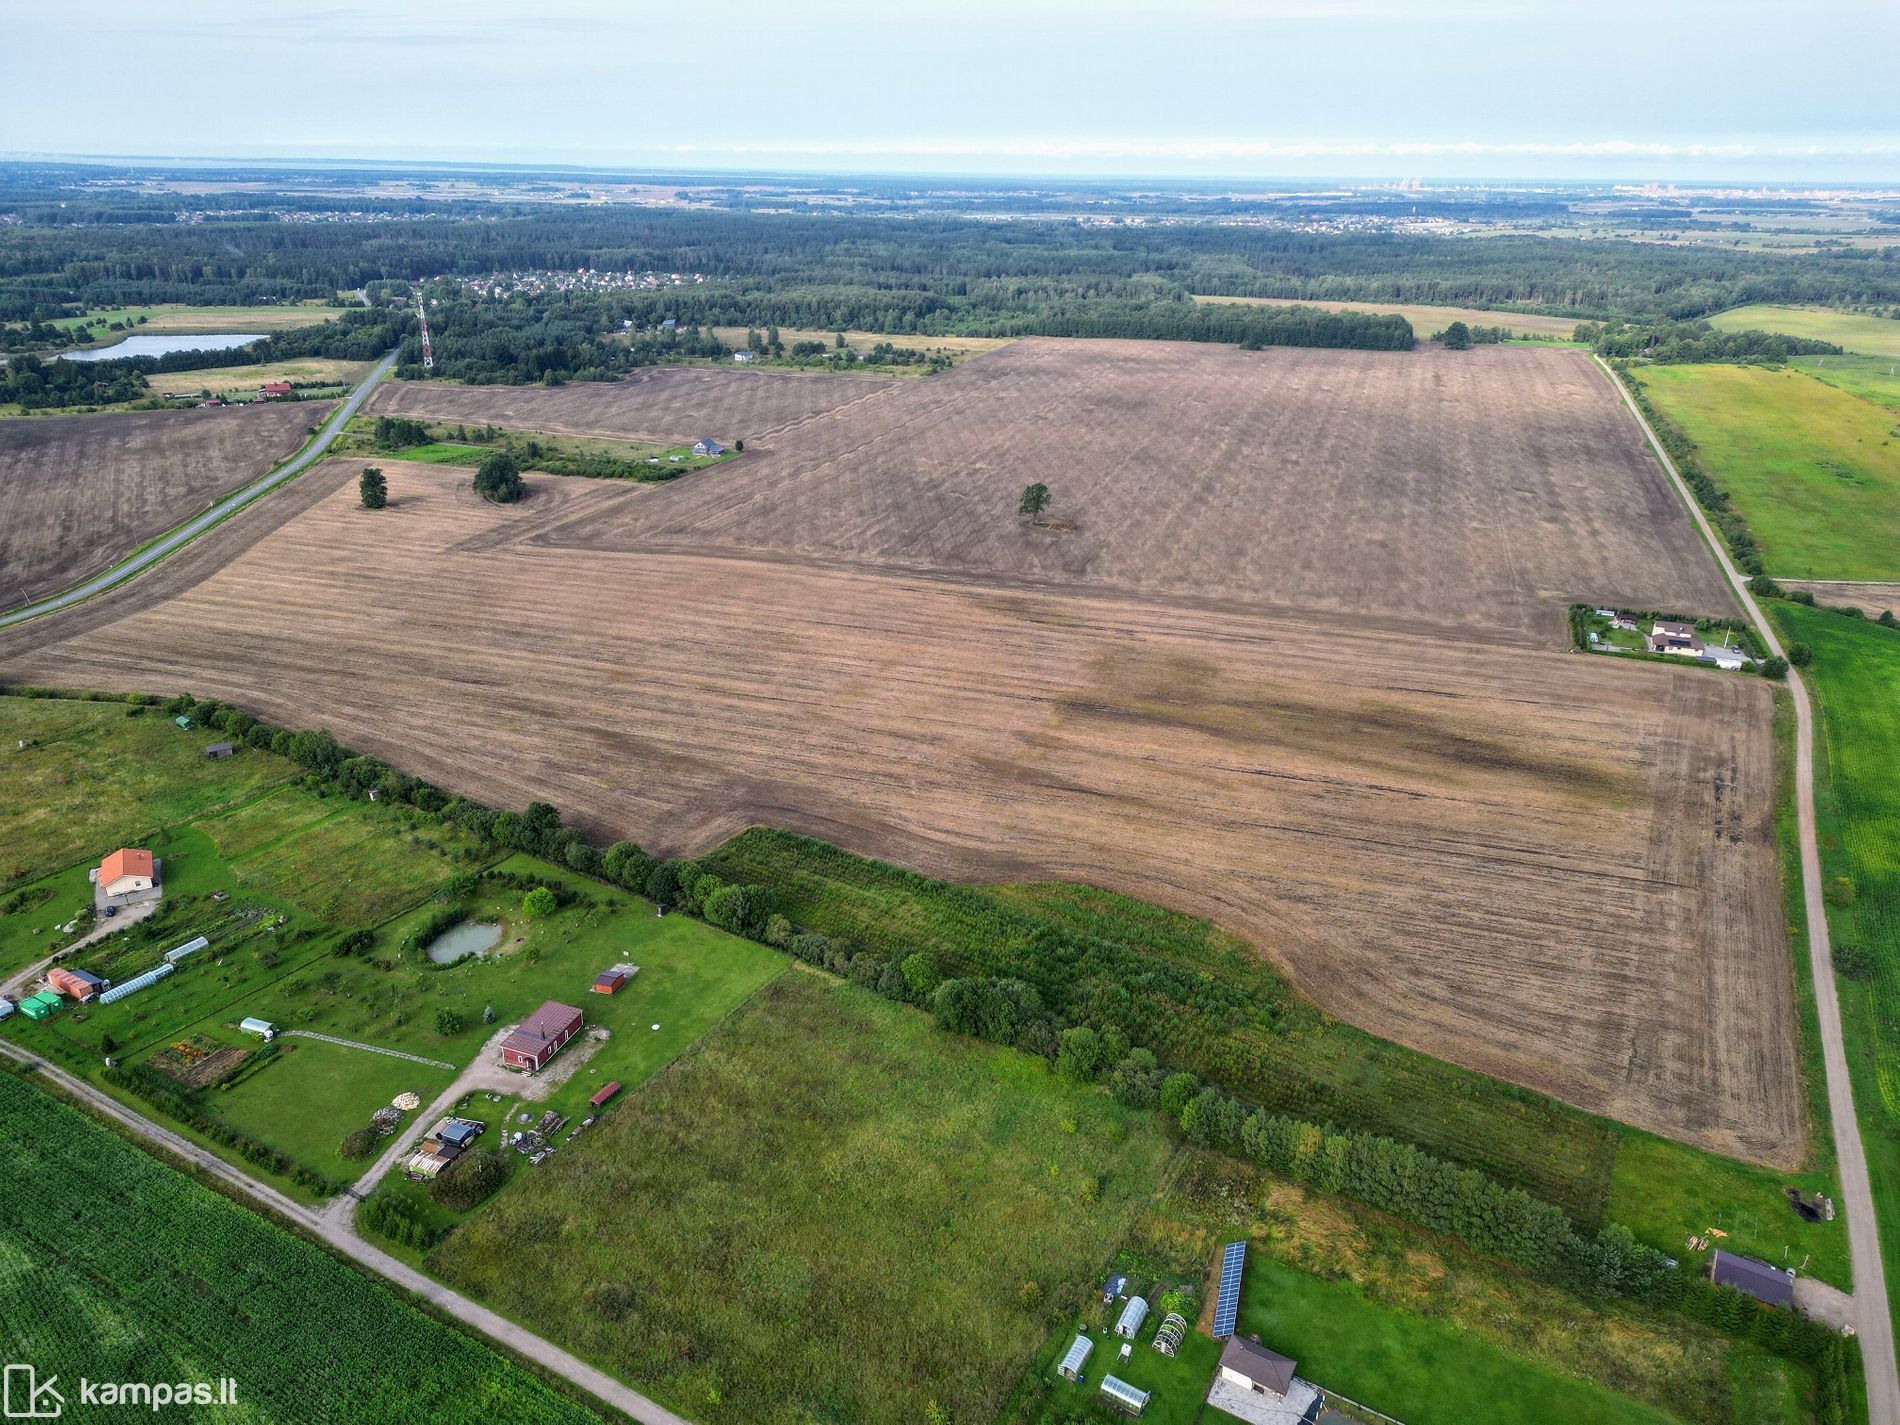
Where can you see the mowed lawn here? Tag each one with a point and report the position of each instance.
(827, 1211)
(1418, 1369)
(312, 1093)
(1877, 336)
(1814, 469)
(90, 778)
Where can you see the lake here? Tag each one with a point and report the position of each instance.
(469, 938)
(151, 345)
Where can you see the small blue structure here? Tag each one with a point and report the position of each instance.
(182, 721)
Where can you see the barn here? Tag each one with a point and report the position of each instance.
(539, 1037)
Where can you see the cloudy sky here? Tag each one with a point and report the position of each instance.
(1773, 89)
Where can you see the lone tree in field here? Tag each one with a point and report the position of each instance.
(373, 488)
(1457, 337)
(498, 477)
(1035, 500)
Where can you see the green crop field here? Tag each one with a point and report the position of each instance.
(1411, 1365)
(1872, 378)
(1814, 469)
(827, 1210)
(1876, 336)
(118, 1268)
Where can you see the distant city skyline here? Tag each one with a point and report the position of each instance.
(1698, 90)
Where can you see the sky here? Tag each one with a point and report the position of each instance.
(1733, 90)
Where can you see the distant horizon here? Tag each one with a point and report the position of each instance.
(630, 168)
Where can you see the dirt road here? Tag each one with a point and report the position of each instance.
(1874, 1322)
(340, 1234)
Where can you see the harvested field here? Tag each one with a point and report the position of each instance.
(1556, 869)
(79, 493)
(1871, 599)
(1481, 491)
(670, 405)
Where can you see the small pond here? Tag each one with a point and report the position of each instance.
(152, 344)
(469, 938)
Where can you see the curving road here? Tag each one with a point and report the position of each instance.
(1873, 1319)
(340, 1233)
(230, 504)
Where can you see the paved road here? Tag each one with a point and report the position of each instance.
(1874, 1320)
(340, 1233)
(230, 504)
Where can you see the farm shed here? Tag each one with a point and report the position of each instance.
(219, 749)
(539, 1037)
(125, 870)
(608, 982)
(1076, 1357)
(458, 1132)
(1752, 1277)
(604, 1092)
(261, 1027)
(1123, 1396)
(78, 984)
(1133, 1315)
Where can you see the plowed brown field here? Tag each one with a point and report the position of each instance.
(1557, 869)
(79, 493)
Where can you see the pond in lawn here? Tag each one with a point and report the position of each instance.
(469, 938)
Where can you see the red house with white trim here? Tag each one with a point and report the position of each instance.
(539, 1037)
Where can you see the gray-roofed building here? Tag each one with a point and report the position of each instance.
(1252, 1366)
(1258, 1385)
(1077, 1357)
(1133, 1315)
(1751, 1277)
(219, 749)
(1125, 1397)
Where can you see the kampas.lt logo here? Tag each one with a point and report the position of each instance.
(27, 1397)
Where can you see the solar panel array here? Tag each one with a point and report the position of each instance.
(1233, 1258)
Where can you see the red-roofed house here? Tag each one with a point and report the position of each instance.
(539, 1037)
(274, 391)
(126, 870)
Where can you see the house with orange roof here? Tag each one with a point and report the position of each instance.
(126, 870)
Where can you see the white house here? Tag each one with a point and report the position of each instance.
(745, 358)
(126, 870)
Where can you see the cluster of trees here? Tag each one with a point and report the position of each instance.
(399, 433)
(498, 477)
(1461, 337)
(470, 1180)
(400, 1221)
(36, 385)
(1693, 341)
(372, 488)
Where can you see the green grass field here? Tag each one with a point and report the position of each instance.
(1814, 469)
(1411, 1366)
(827, 1210)
(1855, 680)
(1872, 378)
(1876, 336)
(175, 317)
(310, 1094)
(449, 448)
(91, 779)
(116, 1267)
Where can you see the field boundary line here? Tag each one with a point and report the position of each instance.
(144, 558)
(369, 1048)
(1873, 1317)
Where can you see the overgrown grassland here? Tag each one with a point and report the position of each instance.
(1872, 378)
(1427, 320)
(1877, 336)
(828, 1210)
(1855, 680)
(90, 778)
(1365, 1300)
(116, 1267)
(1814, 469)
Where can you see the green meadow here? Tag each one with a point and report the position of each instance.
(1876, 336)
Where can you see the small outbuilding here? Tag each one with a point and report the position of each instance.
(263, 1028)
(219, 750)
(75, 984)
(1132, 1316)
(608, 982)
(459, 1133)
(182, 721)
(1752, 1277)
(7, 1006)
(1075, 1358)
(1130, 1400)
(604, 1093)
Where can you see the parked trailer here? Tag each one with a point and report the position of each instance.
(150, 977)
(190, 947)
